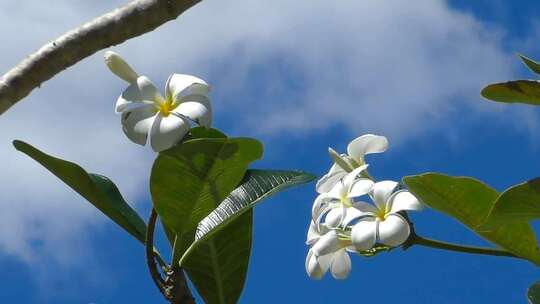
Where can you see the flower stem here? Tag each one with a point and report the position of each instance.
(421, 241)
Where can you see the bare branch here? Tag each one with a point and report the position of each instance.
(134, 19)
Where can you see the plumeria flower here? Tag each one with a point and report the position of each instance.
(381, 223)
(327, 252)
(148, 116)
(344, 163)
(337, 204)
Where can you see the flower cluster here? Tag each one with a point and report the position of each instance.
(148, 116)
(341, 223)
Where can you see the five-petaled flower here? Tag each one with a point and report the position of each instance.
(148, 116)
(381, 223)
(344, 163)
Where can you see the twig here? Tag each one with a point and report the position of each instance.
(134, 19)
(150, 256)
(174, 288)
(418, 240)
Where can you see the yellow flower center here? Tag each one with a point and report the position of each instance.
(166, 106)
(347, 202)
(382, 214)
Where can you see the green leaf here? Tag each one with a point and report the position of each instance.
(97, 189)
(203, 132)
(218, 266)
(521, 91)
(519, 203)
(533, 294)
(195, 133)
(189, 180)
(217, 261)
(256, 186)
(533, 65)
(470, 201)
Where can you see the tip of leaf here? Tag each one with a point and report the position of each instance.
(308, 177)
(486, 92)
(492, 92)
(19, 144)
(530, 63)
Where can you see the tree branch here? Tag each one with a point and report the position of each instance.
(134, 19)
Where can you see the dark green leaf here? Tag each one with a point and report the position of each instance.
(533, 65)
(217, 261)
(256, 186)
(188, 181)
(533, 294)
(222, 279)
(218, 266)
(195, 133)
(97, 189)
(519, 203)
(521, 91)
(469, 201)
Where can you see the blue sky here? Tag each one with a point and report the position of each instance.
(300, 76)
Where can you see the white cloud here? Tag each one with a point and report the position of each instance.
(396, 67)
(386, 66)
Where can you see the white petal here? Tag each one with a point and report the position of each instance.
(320, 206)
(149, 91)
(359, 210)
(130, 99)
(351, 176)
(313, 233)
(404, 200)
(341, 265)
(137, 123)
(366, 144)
(335, 217)
(120, 67)
(381, 193)
(326, 244)
(312, 266)
(167, 131)
(361, 186)
(197, 108)
(364, 234)
(328, 181)
(316, 267)
(338, 191)
(394, 230)
(365, 207)
(181, 85)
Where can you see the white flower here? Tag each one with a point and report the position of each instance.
(380, 223)
(148, 116)
(328, 252)
(344, 163)
(336, 205)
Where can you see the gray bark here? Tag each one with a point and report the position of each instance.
(134, 19)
